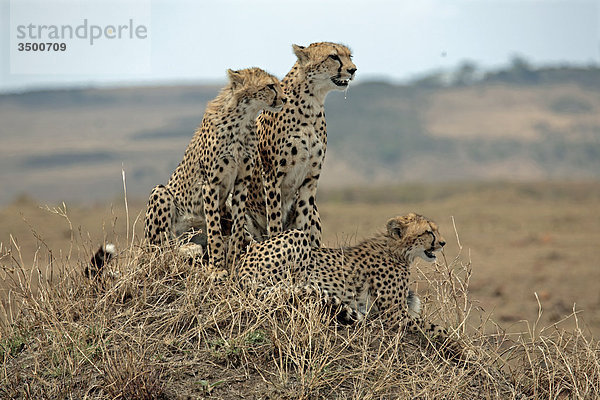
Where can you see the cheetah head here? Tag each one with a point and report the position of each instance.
(415, 236)
(328, 64)
(256, 88)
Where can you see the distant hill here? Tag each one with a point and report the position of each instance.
(515, 124)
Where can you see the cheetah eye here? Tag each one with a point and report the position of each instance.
(334, 57)
(272, 87)
(427, 232)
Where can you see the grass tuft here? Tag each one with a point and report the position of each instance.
(158, 327)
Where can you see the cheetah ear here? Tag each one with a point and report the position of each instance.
(396, 228)
(301, 53)
(235, 77)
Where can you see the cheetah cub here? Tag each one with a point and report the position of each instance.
(369, 278)
(217, 162)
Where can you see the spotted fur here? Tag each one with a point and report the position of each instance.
(218, 162)
(369, 278)
(293, 142)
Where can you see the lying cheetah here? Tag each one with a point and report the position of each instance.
(292, 144)
(371, 277)
(217, 162)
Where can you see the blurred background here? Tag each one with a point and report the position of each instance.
(445, 91)
(484, 115)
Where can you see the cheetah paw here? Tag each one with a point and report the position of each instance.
(191, 250)
(218, 275)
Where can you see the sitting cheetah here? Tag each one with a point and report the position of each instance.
(371, 277)
(292, 144)
(217, 162)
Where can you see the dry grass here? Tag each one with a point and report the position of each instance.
(160, 328)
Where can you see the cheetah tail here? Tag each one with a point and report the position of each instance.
(100, 258)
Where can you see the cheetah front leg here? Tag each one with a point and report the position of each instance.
(315, 226)
(449, 346)
(415, 324)
(237, 238)
(216, 250)
(307, 218)
(273, 206)
(397, 315)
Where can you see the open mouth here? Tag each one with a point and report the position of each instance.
(429, 253)
(340, 82)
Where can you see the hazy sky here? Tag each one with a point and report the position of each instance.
(198, 40)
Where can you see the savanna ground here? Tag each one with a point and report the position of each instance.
(518, 283)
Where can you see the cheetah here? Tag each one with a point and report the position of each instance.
(217, 162)
(371, 277)
(292, 144)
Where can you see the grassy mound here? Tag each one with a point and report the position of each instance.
(160, 328)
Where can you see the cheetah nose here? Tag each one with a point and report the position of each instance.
(351, 71)
(442, 244)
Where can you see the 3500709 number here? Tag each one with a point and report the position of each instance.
(42, 46)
